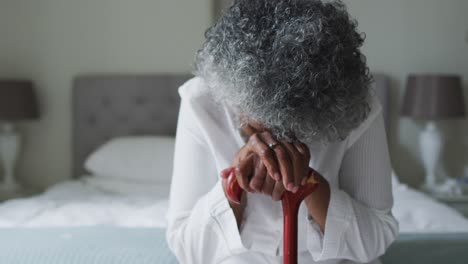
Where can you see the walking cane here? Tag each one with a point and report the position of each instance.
(290, 202)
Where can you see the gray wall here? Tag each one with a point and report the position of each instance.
(53, 40)
(406, 36)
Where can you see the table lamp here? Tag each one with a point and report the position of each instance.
(17, 102)
(432, 97)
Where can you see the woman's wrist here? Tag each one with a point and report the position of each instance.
(318, 201)
(237, 209)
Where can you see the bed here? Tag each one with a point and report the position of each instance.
(93, 219)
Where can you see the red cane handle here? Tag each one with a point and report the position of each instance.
(233, 190)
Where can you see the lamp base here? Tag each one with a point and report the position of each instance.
(430, 147)
(429, 188)
(9, 145)
(449, 187)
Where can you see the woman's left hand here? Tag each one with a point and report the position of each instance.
(299, 156)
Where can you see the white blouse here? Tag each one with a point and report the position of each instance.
(202, 228)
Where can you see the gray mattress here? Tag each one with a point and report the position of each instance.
(102, 245)
(443, 248)
(86, 245)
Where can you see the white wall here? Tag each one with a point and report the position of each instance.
(51, 41)
(416, 36)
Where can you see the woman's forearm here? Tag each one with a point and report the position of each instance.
(317, 202)
(238, 211)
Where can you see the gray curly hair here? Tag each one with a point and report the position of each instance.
(295, 66)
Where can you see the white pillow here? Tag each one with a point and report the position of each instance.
(137, 159)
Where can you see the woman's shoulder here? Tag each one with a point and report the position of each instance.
(205, 118)
(194, 89)
(374, 113)
(197, 99)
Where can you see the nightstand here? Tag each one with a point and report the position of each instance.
(459, 203)
(22, 192)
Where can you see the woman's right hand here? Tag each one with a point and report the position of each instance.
(266, 165)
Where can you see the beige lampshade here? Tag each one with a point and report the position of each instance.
(431, 97)
(17, 100)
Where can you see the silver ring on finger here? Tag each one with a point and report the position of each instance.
(273, 145)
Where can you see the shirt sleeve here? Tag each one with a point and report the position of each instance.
(201, 225)
(359, 224)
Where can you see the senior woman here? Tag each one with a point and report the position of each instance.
(281, 88)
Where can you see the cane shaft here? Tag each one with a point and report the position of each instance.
(290, 202)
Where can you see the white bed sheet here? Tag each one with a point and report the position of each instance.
(79, 203)
(416, 212)
(86, 203)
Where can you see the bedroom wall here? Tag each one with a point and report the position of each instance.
(417, 36)
(51, 41)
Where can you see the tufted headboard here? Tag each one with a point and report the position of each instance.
(107, 106)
